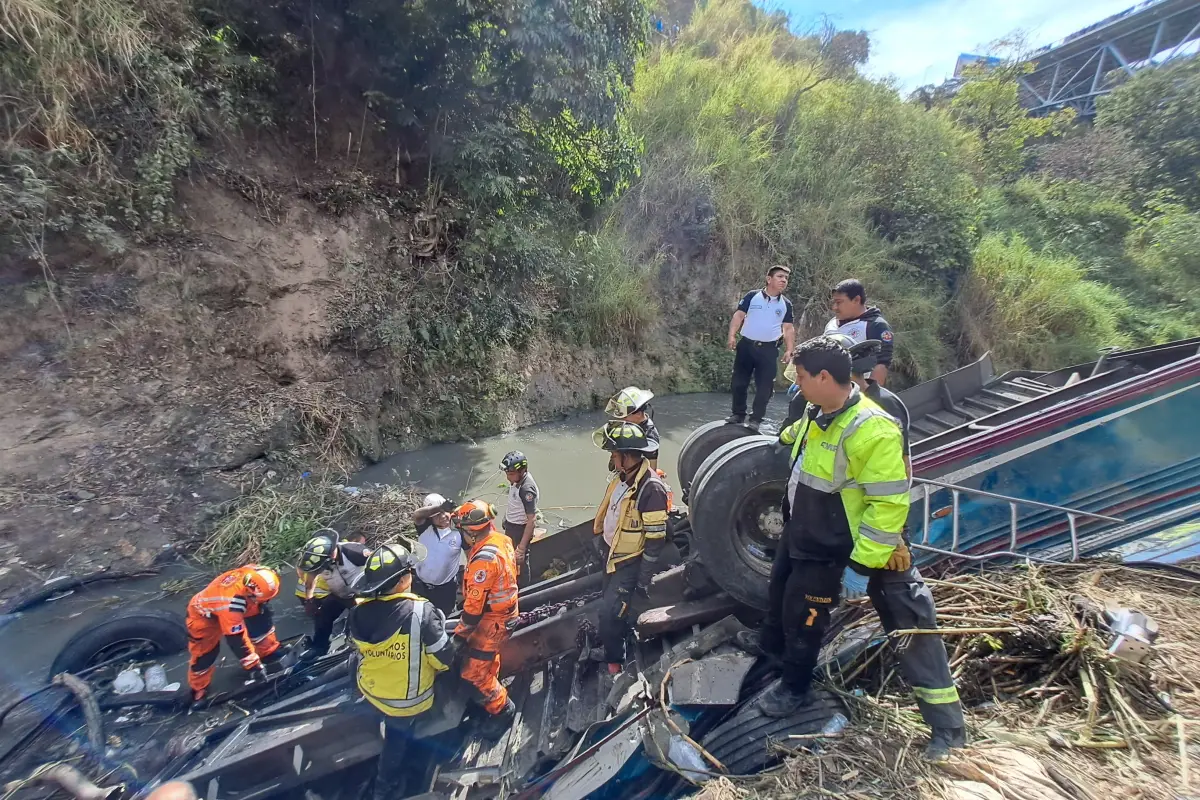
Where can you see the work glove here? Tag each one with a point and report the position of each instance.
(251, 662)
(853, 584)
(901, 559)
(793, 390)
(447, 506)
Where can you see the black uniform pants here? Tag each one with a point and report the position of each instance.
(903, 601)
(760, 360)
(392, 771)
(444, 596)
(801, 595)
(326, 613)
(616, 609)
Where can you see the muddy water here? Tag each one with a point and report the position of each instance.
(570, 471)
(32, 640)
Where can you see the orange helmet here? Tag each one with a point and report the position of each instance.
(474, 516)
(263, 582)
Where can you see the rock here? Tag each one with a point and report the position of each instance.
(82, 494)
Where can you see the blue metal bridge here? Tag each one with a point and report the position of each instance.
(1085, 65)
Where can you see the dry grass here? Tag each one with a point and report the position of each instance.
(271, 524)
(1052, 715)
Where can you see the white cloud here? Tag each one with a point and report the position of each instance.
(920, 45)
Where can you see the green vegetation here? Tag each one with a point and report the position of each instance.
(535, 170)
(270, 525)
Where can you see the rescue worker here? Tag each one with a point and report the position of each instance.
(632, 404)
(853, 317)
(437, 572)
(233, 607)
(329, 570)
(489, 602)
(402, 645)
(520, 516)
(900, 596)
(847, 497)
(631, 531)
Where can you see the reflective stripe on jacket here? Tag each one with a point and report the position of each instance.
(489, 582)
(638, 533)
(860, 457)
(396, 674)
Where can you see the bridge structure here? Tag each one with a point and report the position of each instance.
(1086, 65)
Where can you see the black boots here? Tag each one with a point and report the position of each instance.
(495, 725)
(942, 741)
(781, 701)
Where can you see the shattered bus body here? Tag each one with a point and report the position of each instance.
(1037, 465)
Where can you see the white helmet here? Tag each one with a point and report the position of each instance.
(432, 500)
(627, 401)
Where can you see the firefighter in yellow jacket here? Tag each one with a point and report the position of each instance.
(402, 645)
(630, 529)
(847, 497)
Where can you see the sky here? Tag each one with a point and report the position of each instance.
(918, 41)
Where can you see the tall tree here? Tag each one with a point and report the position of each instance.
(1160, 110)
(989, 105)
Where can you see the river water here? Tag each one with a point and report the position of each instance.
(571, 474)
(570, 471)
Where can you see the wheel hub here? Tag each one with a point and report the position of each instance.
(771, 522)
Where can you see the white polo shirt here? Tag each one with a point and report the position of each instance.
(443, 547)
(765, 316)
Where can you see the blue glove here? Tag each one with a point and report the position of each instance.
(853, 584)
(793, 390)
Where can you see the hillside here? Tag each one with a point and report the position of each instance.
(244, 240)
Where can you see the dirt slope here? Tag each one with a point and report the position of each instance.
(157, 383)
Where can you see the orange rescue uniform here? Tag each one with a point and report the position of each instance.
(228, 607)
(489, 602)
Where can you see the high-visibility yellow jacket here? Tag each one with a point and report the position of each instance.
(641, 521)
(860, 457)
(399, 638)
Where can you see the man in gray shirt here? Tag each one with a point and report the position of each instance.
(520, 515)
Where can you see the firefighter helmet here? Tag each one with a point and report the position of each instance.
(318, 551)
(628, 401)
(624, 437)
(474, 516)
(263, 582)
(385, 566)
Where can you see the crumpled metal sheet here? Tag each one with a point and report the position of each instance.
(712, 681)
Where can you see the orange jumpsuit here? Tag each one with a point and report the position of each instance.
(227, 608)
(489, 602)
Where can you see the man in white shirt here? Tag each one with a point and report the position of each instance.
(764, 317)
(861, 322)
(437, 573)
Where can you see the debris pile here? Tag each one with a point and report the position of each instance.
(1059, 705)
(272, 523)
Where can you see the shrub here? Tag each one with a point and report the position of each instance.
(1037, 310)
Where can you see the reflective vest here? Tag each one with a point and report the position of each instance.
(396, 675)
(635, 530)
(860, 457)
